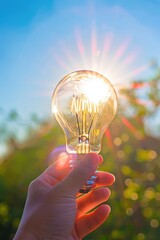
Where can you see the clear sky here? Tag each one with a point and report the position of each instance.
(42, 40)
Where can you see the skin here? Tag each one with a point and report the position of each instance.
(55, 210)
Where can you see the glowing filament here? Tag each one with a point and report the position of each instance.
(82, 103)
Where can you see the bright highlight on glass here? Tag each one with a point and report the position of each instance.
(84, 104)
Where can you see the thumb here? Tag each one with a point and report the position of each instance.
(80, 173)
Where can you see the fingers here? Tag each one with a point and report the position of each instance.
(91, 200)
(91, 221)
(100, 159)
(80, 173)
(104, 179)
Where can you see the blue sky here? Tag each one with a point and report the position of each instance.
(40, 42)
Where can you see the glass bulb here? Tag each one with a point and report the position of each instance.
(84, 104)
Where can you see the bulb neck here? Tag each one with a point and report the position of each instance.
(89, 184)
(83, 144)
(83, 148)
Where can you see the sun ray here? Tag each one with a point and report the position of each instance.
(94, 50)
(122, 49)
(131, 127)
(79, 42)
(81, 47)
(119, 53)
(90, 54)
(139, 84)
(137, 71)
(93, 42)
(63, 64)
(121, 67)
(130, 58)
(109, 139)
(141, 102)
(105, 51)
(68, 54)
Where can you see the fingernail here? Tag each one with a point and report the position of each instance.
(113, 178)
(109, 209)
(109, 192)
(100, 159)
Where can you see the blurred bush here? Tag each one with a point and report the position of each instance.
(131, 150)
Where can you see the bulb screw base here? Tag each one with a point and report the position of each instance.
(89, 185)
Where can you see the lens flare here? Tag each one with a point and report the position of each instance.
(95, 89)
(101, 53)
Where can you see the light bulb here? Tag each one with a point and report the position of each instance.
(84, 104)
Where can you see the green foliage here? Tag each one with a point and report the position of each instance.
(128, 151)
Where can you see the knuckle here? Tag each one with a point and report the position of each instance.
(32, 186)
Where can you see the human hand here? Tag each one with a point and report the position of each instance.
(54, 209)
